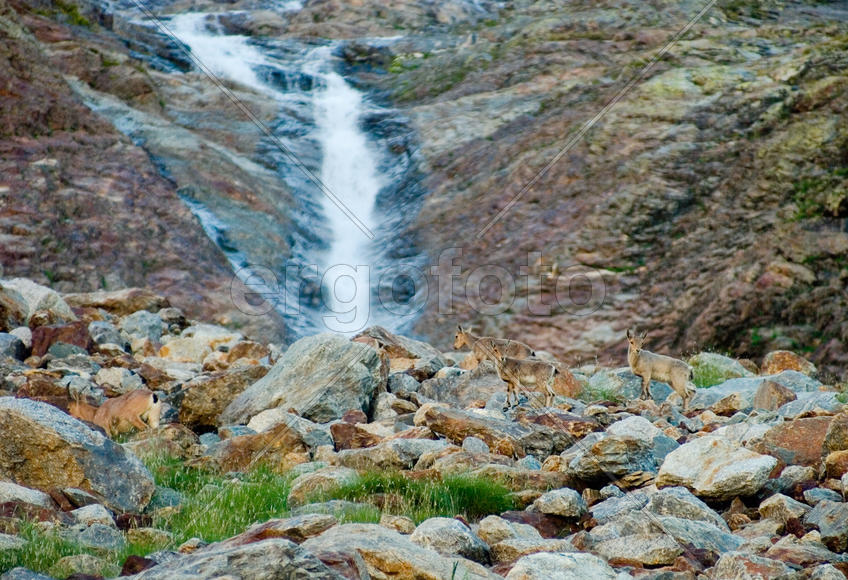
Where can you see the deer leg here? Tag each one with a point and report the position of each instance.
(138, 423)
(646, 384)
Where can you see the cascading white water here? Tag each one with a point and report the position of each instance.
(230, 57)
(348, 168)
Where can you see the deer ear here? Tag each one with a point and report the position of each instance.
(629, 336)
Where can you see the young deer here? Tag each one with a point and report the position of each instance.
(516, 372)
(649, 365)
(482, 346)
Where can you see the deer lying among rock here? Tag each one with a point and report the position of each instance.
(517, 372)
(482, 346)
(649, 365)
(139, 409)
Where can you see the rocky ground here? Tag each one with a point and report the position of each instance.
(708, 205)
(749, 483)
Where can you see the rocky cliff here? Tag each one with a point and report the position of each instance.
(707, 206)
(81, 207)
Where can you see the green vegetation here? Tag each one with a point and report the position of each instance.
(466, 495)
(710, 369)
(594, 394)
(825, 194)
(44, 548)
(71, 11)
(218, 507)
(735, 9)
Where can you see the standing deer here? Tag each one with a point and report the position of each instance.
(482, 346)
(649, 365)
(516, 372)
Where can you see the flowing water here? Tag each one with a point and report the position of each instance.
(339, 276)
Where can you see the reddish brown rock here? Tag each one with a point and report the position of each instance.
(207, 396)
(349, 564)
(280, 447)
(355, 416)
(784, 360)
(248, 349)
(503, 437)
(548, 525)
(350, 436)
(798, 442)
(75, 333)
(792, 550)
(119, 302)
(771, 396)
(574, 425)
(413, 433)
(740, 565)
(44, 386)
(296, 529)
(153, 377)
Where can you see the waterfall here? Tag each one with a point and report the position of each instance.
(344, 260)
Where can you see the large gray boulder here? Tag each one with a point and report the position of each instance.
(451, 537)
(679, 502)
(389, 554)
(715, 468)
(265, 560)
(39, 299)
(320, 376)
(43, 448)
(576, 566)
(744, 389)
(563, 502)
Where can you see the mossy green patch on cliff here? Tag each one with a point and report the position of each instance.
(72, 13)
(825, 194)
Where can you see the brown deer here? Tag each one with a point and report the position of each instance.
(139, 409)
(517, 372)
(649, 365)
(481, 346)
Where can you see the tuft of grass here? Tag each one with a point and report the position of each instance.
(46, 547)
(594, 394)
(463, 494)
(217, 507)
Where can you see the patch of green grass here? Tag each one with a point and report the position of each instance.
(591, 394)
(466, 495)
(218, 507)
(45, 548)
(706, 376)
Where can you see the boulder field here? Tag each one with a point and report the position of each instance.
(748, 483)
